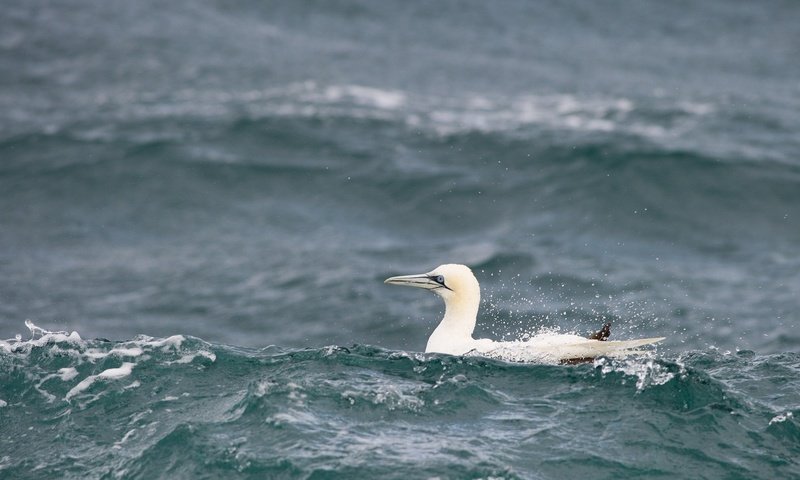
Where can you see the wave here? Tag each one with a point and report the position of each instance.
(608, 184)
(605, 164)
(179, 406)
(133, 116)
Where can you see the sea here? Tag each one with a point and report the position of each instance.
(200, 200)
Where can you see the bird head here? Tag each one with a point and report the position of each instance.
(449, 281)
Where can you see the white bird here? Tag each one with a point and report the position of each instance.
(461, 293)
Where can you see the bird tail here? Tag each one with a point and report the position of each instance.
(601, 334)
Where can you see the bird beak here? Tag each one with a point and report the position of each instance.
(420, 281)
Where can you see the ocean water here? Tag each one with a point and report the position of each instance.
(199, 202)
(180, 407)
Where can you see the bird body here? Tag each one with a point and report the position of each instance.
(460, 290)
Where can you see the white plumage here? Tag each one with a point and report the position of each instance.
(461, 293)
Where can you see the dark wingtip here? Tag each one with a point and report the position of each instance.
(602, 334)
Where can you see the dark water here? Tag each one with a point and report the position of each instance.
(185, 408)
(247, 173)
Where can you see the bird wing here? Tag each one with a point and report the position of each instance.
(559, 348)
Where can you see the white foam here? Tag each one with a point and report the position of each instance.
(368, 96)
(293, 417)
(3, 403)
(95, 354)
(173, 342)
(442, 114)
(296, 394)
(110, 374)
(83, 385)
(126, 352)
(68, 373)
(646, 371)
(191, 356)
(129, 434)
(264, 387)
(17, 345)
(115, 373)
(781, 418)
(403, 396)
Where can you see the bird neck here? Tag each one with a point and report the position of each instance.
(455, 329)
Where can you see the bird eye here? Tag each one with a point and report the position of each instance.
(439, 279)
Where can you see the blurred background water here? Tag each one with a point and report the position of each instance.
(249, 172)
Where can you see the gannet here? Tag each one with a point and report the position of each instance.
(459, 289)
